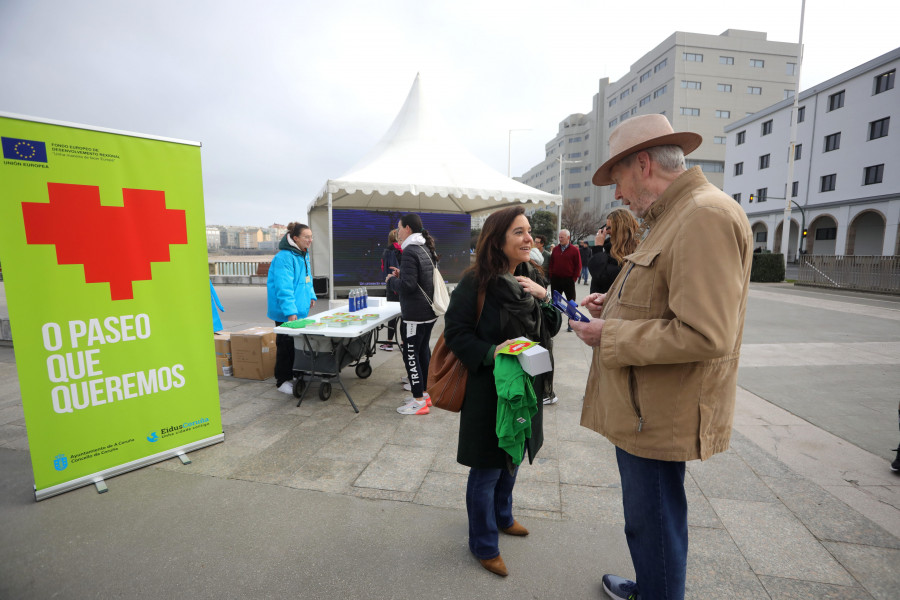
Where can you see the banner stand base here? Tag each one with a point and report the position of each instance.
(184, 458)
(100, 485)
(98, 478)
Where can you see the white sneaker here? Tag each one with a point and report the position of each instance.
(386, 347)
(287, 387)
(411, 399)
(407, 387)
(552, 400)
(414, 408)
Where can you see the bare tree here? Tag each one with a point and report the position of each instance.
(580, 223)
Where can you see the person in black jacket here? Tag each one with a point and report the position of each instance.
(390, 259)
(414, 282)
(515, 305)
(620, 233)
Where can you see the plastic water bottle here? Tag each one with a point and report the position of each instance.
(352, 300)
(365, 298)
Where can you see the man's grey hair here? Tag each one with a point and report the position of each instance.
(669, 158)
(565, 231)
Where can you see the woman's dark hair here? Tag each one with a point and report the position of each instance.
(414, 222)
(490, 261)
(295, 229)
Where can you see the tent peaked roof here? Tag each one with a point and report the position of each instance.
(419, 165)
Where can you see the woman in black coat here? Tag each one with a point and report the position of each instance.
(515, 305)
(621, 227)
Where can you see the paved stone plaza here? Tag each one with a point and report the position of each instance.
(319, 502)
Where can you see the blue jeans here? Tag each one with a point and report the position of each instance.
(655, 524)
(489, 505)
(584, 273)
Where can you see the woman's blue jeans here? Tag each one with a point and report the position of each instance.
(655, 524)
(489, 504)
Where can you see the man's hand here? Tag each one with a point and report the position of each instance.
(589, 332)
(292, 317)
(311, 304)
(594, 304)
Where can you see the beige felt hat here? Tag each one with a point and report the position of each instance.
(640, 133)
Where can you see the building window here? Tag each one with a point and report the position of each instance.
(624, 93)
(613, 101)
(795, 189)
(798, 151)
(826, 233)
(764, 161)
(723, 114)
(573, 186)
(574, 170)
(633, 109)
(762, 194)
(573, 140)
(833, 141)
(661, 65)
(766, 127)
(737, 197)
(790, 69)
(613, 123)
(690, 112)
(726, 60)
(740, 138)
(761, 237)
(723, 87)
(873, 174)
(879, 128)
(660, 91)
(758, 63)
(575, 155)
(788, 94)
(708, 166)
(691, 57)
(719, 139)
(827, 183)
(801, 114)
(884, 82)
(645, 76)
(754, 90)
(836, 101)
(738, 169)
(691, 85)
(645, 100)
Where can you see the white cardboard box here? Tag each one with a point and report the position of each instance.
(535, 360)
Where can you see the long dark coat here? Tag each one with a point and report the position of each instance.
(478, 443)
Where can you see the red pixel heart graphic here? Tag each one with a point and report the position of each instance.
(115, 244)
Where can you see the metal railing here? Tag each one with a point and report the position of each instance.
(863, 273)
(239, 268)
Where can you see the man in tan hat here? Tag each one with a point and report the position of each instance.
(666, 341)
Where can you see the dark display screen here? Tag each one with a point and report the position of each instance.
(361, 236)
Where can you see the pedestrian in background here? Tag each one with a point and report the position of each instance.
(618, 239)
(585, 250)
(540, 242)
(290, 294)
(414, 283)
(666, 338)
(514, 305)
(565, 267)
(390, 258)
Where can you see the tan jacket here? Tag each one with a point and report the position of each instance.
(663, 380)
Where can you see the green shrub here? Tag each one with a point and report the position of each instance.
(767, 268)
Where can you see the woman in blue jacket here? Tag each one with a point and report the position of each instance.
(290, 296)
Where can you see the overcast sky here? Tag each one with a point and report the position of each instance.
(285, 95)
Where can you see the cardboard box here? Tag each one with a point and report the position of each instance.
(253, 353)
(223, 353)
(535, 360)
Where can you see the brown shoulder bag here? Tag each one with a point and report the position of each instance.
(447, 375)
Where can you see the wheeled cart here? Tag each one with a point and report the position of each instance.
(321, 354)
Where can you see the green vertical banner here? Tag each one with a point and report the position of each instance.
(103, 250)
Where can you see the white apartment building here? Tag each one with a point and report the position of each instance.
(700, 82)
(846, 175)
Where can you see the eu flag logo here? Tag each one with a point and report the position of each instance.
(16, 149)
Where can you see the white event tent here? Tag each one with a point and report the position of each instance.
(417, 166)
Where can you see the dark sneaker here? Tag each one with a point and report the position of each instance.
(620, 588)
(895, 466)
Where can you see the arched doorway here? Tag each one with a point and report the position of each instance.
(865, 237)
(760, 235)
(792, 240)
(822, 236)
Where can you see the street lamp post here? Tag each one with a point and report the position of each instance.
(785, 232)
(562, 198)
